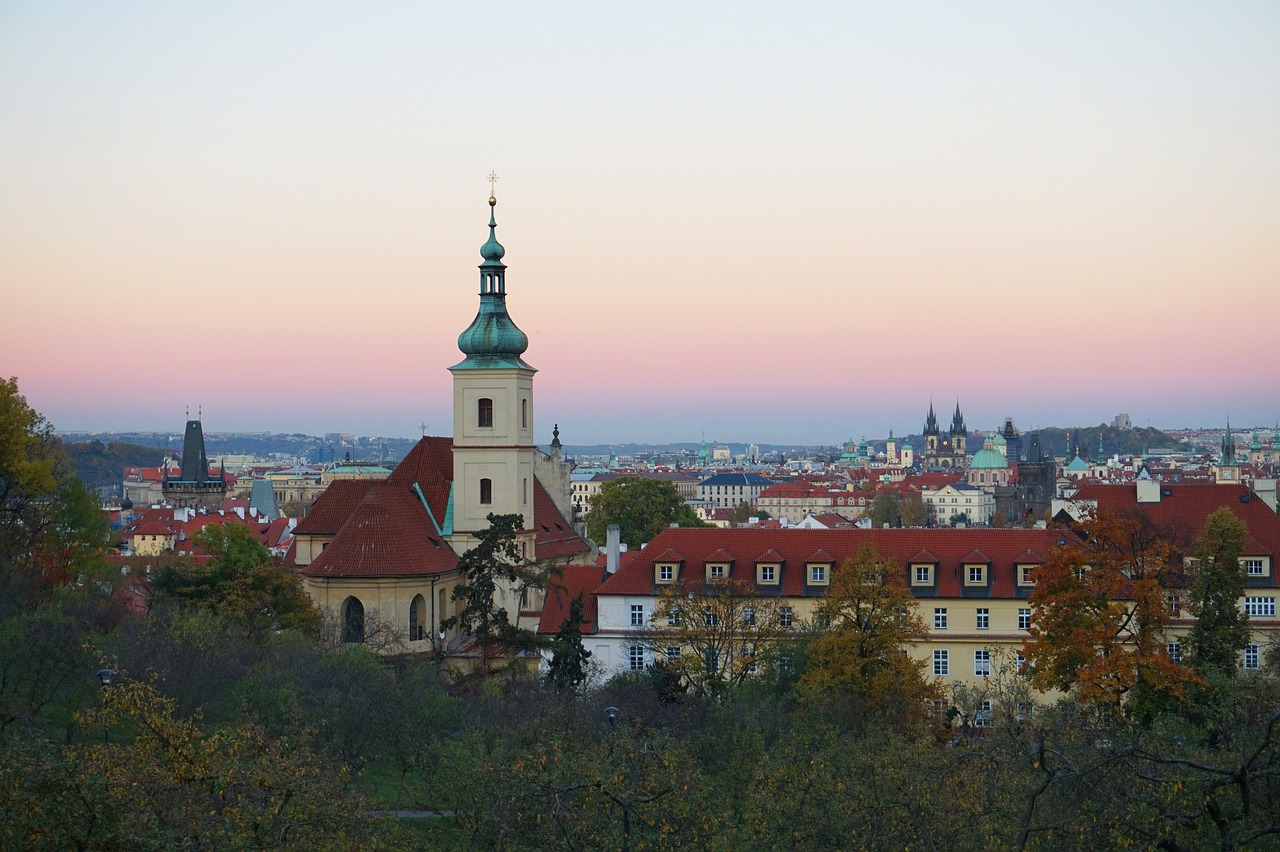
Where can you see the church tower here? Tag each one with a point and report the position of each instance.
(1228, 469)
(493, 449)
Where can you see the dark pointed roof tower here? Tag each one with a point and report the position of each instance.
(957, 421)
(931, 422)
(1228, 446)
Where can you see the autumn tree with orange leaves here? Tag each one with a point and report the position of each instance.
(1100, 611)
(858, 664)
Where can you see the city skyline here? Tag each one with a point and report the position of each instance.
(757, 225)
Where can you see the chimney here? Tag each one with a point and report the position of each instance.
(1148, 491)
(614, 549)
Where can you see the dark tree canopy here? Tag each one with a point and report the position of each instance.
(1221, 628)
(241, 582)
(568, 667)
(495, 559)
(641, 508)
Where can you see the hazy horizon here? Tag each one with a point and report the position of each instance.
(792, 224)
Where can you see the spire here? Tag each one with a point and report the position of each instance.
(555, 436)
(492, 340)
(1228, 446)
(957, 421)
(931, 422)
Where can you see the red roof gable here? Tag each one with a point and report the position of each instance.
(334, 506)
(556, 537)
(576, 580)
(429, 465)
(388, 535)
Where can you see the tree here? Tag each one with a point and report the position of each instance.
(885, 510)
(911, 511)
(1100, 613)
(715, 636)
(568, 667)
(740, 514)
(50, 530)
(169, 783)
(641, 508)
(1221, 629)
(857, 659)
(495, 558)
(241, 582)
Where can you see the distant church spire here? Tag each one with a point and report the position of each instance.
(493, 340)
(1228, 446)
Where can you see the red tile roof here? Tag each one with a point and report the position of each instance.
(1184, 506)
(429, 465)
(334, 506)
(556, 538)
(388, 535)
(794, 547)
(576, 580)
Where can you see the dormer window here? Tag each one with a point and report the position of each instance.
(767, 575)
(484, 413)
(717, 572)
(922, 575)
(818, 574)
(666, 573)
(1024, 575)
(975, 575)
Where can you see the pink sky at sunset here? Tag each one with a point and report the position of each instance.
(780, 225)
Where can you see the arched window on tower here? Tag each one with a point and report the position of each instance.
(524, 414)
(486, 492)
(484, 413)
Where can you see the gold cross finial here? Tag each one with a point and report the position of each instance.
(493, 181)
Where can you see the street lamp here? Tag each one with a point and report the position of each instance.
(612, 713)
(104, 677)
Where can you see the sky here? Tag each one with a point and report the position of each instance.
(779, 223)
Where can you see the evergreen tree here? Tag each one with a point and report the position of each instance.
(1221, 629)
(495, 558)
(568, 669)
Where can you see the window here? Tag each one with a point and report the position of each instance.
(1175, 651)
(709, 617)
(923, 575)
(637, 615)
(484, 413)
(666, 573)
(1253, 567)
(524, 414)
(982, 663)
(941, 663)
(1020, 660)
(1174, 603)
(716, 572)
(976, 575)
(1024, 575)
(1024, 619)
(748, 616)
(785, 616)
(1260, 606)
(353, 620)
(635, 658)
(1026, 709)
(983, 717)
(1250, 656)
(673, 616)
(767, 573)
(984, 619)
(486, 492)
(417, 626)
(940, 619)
(818, 574)
(673, 652)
